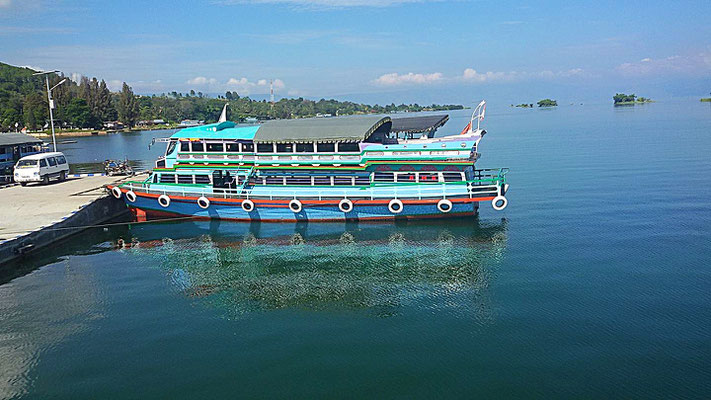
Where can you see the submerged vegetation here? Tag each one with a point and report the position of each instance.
(621, 99)
(90, 104)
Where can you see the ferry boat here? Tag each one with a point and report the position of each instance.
(318, 169)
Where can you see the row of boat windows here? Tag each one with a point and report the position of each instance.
(248, 147)
(226, 181)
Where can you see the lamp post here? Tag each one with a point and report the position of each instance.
(51, 101)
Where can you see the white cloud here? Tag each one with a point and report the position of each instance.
(244, 86)
(202, 81)
(5, 3)
(114, 85)
(695, 64)
(472, 75)
(410, 78)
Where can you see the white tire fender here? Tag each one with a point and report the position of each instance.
(164, 200)
(248, 205)
(444, 206)
(499, 203)
(395, 206)
(203, 202)
(295, 206)
(131, 196)
(116, 192)
(345, 206)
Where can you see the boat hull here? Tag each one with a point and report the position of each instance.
(277, 210)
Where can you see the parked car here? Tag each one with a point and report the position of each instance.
(41, 168)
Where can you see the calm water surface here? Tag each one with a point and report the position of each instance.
(595, 282)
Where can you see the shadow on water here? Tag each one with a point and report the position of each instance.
(87, 242)
(243, 268)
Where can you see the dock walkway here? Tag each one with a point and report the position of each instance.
(26, 211)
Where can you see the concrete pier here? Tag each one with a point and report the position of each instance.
(35, 216)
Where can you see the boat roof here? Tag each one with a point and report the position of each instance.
(12, 139)
(352, 128)
(418, 124)
(357, 128)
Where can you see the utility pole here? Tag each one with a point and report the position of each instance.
(51, 101)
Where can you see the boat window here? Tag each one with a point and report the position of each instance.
(326, 147)
(167, 178)
(202, 179)
(232, 147)
(429, 177)
(155, 178)
(343, 180)
(322, 180)
(362, 181)
(304, 147)
(184, 147)
(348, 147)
(452, 176)
(298, 180)
(285, 148)
(265, 148)
(43, 163)
(406, 177)
(275, 180)
(216, 147)
(248, 147)
(61, 160)
(52, 162)
(171, 147)
(380, 176)
(198, 147)
(185, 179)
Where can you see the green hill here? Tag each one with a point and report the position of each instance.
(88, 103)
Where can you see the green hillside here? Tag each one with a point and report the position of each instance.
(88, 103)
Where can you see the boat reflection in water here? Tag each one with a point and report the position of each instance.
(248, 267)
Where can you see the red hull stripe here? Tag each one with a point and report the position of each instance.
(285, 203)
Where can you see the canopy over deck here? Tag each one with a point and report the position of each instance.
(420, 124)
(341, 129)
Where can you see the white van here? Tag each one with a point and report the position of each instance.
(41, 168)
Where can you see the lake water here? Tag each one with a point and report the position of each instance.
(595, 282)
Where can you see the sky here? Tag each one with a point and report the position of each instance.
(378, 51)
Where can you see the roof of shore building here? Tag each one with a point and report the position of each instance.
(13, 139)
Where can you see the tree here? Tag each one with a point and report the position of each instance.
(79, 115)
(127, 106)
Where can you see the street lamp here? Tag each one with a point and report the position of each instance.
(50, 101)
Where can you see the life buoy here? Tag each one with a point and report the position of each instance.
(131, 196)
(203, 202)
(395, 206)
(295, 206)
(345, 206)
(499, 203)
(248, 205)
(444, 206)
(164, 200)
(116, 192)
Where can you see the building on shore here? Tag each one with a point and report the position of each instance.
(14, 146)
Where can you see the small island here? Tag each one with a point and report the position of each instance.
(706, 99)
(547, 103)
(622, 99)
(523, 105)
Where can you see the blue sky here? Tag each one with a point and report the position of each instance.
(372, 50)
